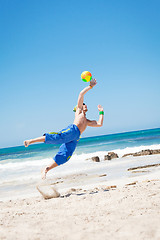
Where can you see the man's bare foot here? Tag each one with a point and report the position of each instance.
(44, 172)
(26, 143)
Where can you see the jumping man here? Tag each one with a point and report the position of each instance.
(69, 136)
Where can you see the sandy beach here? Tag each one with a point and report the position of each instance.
(131, 211)
(115, 199)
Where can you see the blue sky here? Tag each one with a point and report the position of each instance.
(44, 47)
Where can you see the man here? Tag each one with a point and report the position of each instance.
(70, 136)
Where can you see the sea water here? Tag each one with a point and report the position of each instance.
(20, 167)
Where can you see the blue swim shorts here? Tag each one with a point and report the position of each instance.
(68, 137)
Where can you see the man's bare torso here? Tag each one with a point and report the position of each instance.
(80, 120)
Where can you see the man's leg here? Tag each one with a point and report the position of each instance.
(64, 154)
(28, 142)
(46, 169)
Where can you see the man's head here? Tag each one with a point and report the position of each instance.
(84, 107)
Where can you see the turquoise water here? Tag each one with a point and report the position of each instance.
(85, 145)
(20, 167)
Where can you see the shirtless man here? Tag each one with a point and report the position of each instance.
(69, 136)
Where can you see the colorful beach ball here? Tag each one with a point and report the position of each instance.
(86, 76)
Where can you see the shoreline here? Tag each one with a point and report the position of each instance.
(117, 172)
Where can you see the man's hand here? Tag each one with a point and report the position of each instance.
(93, 82)
(100, 108)
(98, 123)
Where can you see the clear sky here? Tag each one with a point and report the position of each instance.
(44, 47)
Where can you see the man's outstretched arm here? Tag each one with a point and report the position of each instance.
(98, 123)
(84, 91)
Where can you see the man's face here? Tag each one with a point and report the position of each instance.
(85, 107)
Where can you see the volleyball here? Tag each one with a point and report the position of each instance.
(86, 76)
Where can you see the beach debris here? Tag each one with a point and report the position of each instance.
(103, 175)
(57, 182)
(145, 166)
(81, 192)
(95, 159)
(143, 153)
(156, 151)
(47, 191)
(152, 180)
(93, 192)
(107, 188)
(133, 183)
(73, 189)
(110, 156)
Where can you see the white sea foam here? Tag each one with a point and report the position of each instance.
(19, 165)
(76, 158)
(29, 171)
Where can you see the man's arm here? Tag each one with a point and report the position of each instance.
(98, 123)
(84, 91)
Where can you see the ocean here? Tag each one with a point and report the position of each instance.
(20, 167)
